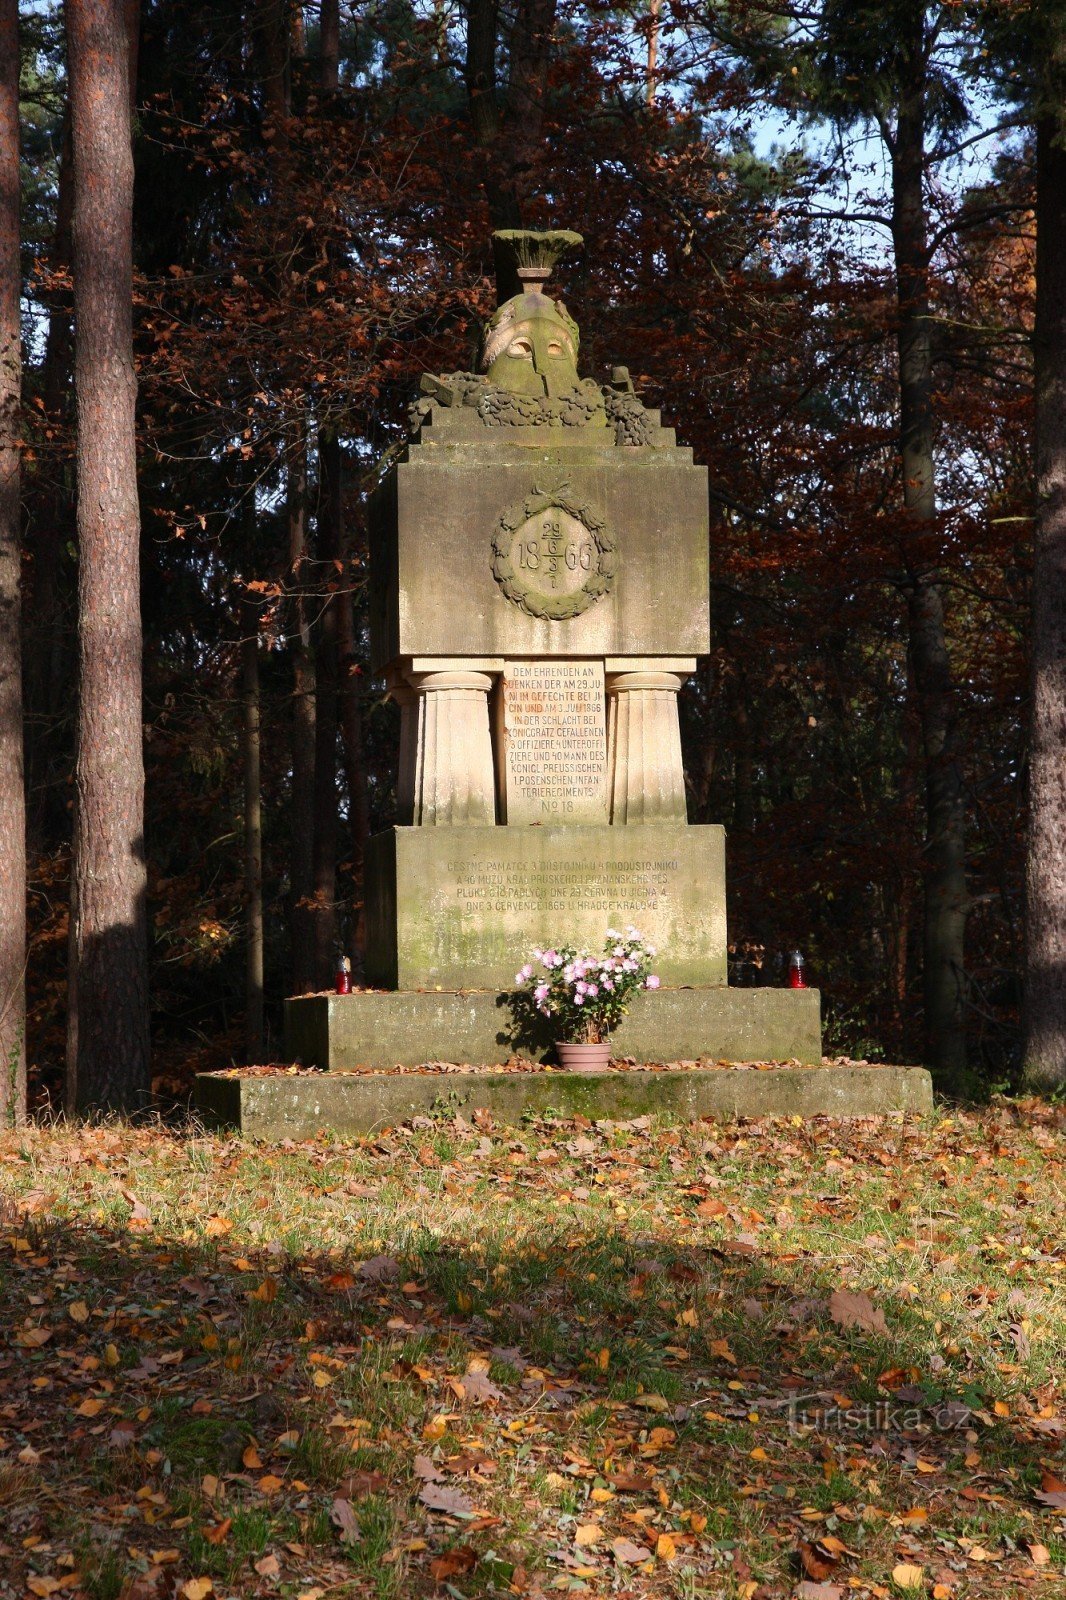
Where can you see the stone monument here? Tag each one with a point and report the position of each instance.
(539, 592)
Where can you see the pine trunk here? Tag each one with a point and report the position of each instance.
(329, 37)
(351, 723)
(107, 1038)
(302, 813)
(253, 834)
(945, 837)
(12, 791)
(324, 911)
(1045, 1044)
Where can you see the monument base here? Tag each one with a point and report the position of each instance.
(376, 1030)
(280, 1105)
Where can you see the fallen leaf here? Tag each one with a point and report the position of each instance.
(453, 1563)
(90, 1408)
(1052, 1492)
(220, 1532)
(651, 1402)
(907, 1576)
(818, 1591)
(78, 1312)
(269, 1483)
(379, 1269)
(343, 1517)
(629, 1482)
(268, 1567)
(33, 1338)
(587, 1533)
(849, 1310)
(438, 1497)
(665, 1548)
(628, 1553)
(251, 1458)
(817, 1562)
(197, 1588)
(1039, 1555)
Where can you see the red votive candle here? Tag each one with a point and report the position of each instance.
(343, 984)
(796, 965)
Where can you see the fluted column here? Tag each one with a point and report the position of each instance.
(645, 777)
(407, 700)
(453, 783)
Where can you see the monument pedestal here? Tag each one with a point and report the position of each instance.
(461, 908)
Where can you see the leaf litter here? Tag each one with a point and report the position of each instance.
(764, 1360)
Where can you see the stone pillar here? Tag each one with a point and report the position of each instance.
(453, 780)
(645, 777)
(407, 700)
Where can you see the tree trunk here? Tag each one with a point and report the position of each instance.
(12, 791)
(253, 832)
(302, 818)
(945, 842)
(351, 721)
(47, 639)
(329, 44)
(271, 40)
(107, 1038)
(1045, 999)
(324, 916)
(653, 51)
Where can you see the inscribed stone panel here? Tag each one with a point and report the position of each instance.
(552, 758)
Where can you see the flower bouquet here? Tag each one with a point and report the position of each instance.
(584, 996)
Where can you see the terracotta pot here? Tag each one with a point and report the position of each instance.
(583, 1057)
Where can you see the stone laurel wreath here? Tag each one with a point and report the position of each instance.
(499, 408)
(558, 608)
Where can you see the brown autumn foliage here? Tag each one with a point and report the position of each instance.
(297, 268)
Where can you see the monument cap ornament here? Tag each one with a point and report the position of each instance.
(552, 554)
(530, 345)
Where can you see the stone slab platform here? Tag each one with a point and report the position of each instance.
(284, 1106)
(379, 1030)
(463, 906)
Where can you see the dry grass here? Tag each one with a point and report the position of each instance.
(233, 1370)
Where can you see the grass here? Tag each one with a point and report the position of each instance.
(560, 1359)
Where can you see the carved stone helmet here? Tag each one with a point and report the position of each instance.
(531, 342)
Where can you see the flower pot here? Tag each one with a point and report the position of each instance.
(583, 1057)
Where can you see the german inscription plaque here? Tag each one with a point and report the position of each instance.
(552, 726)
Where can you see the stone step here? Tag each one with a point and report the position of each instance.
(380, 1029)
(280, 1105)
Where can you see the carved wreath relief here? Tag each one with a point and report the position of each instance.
(552, 554)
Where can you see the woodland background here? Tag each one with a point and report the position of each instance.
(315, 188)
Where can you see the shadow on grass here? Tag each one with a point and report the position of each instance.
(253, 1416)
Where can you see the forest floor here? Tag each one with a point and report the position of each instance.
(772, 1359)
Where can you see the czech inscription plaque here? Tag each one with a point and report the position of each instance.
(553, 765)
